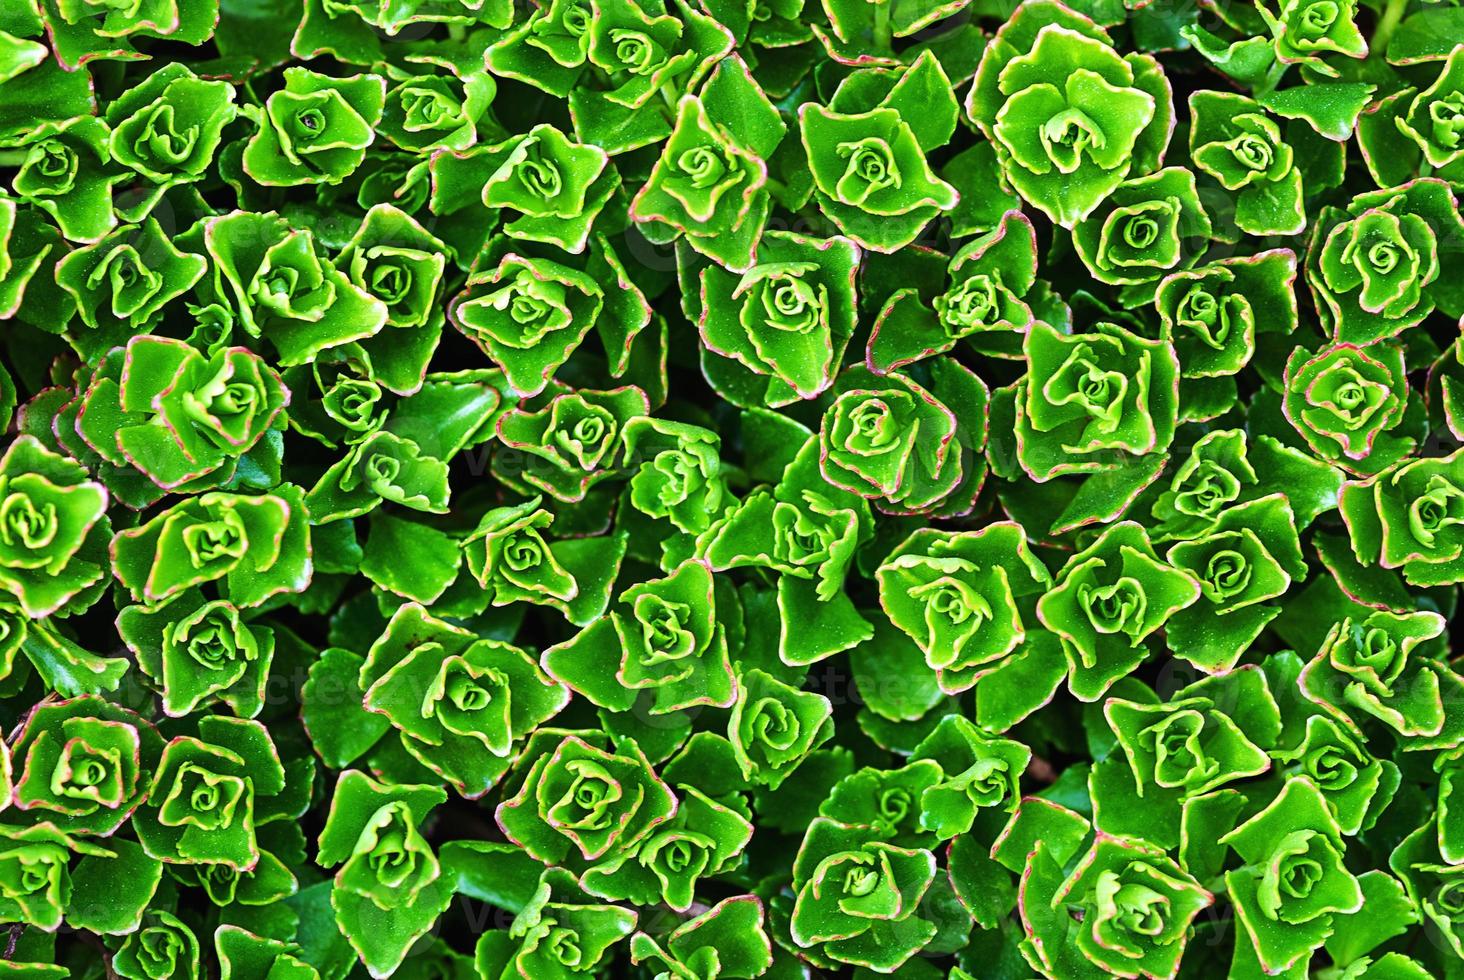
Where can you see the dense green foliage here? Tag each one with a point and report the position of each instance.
(719, 489)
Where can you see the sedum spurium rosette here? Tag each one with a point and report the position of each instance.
(789, 318)
(85, 763)
(179, 418)
(1294, 879)
(962, 597)
(1137, 907)
(1213, 313)
(458, 703)
(1382, 265)
(389, 885)
(1093, 401)
(249, 547)
(1107, 600)
(315, 129)
(575, 797)
(1346, 402)
(662, 637)
(1410, 517)
(858, 897)
(529, 315)
(983, 302)
(53, 529)
(1070, 118)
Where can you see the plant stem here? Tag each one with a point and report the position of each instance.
(1273, 77)
(1387, 24)
(883, 35)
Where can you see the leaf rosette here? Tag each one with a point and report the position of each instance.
(636, 50)
(1410, 517)
(1094, 401)
(316, 129)
(578, 798)
(979, 783)
(199, 652)
(662, 636)
(1108, 599)
(528, 315)
(680, 476)
(548, 50)
(278, 285)
(1212, 314)
(708, 188)
(1384, 264)
(801, 527)
(558, 187)
(511, 559)
(1233, 140)
(437, 109)
(122, 283)
(561, 933)
(983, 302)
(253, 546)
(53, 530)
(1126, 908)
(886, 799)
(703, 839)
(963, 597)
(774, 727)
(858, 896)
(1177, 750)
(383, 467)
(389, 886)
(901, 446)
(209, 793)
(570, 438)
(1349, 403)
(1357, 786)
(1294, 879)
(180, 418)
(1305, 32)
(268, 882)
(870, 175)
(1379, 666)
(808, 532)
(36, 884)
(84, 764)
(1434, 119)
(168, 128)
(1250, 556)
(394, 259)
(789, 318)
(162, 946)
(460, 704)
(1146, 228)
(1225, 468)
(67, 172)
(1070, 118)
(336, 399)
(1433, 883)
